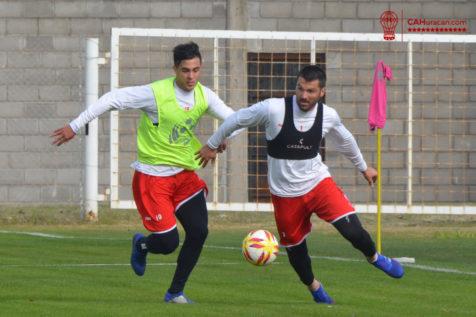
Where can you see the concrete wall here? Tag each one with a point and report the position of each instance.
(41, 69)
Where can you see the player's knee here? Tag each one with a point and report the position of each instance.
(198, 233)
(202, 234)
(170, 246)
(351, 229)
(163, 243)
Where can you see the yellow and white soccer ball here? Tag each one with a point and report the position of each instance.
(260, 247)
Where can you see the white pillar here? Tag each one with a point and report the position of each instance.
(410, 128)
(90, 211)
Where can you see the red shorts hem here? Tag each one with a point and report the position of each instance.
(293, 214)
(157, 198)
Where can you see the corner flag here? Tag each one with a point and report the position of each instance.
(376, 119)
(378, 101)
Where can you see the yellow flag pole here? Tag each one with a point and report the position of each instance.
(379, 191)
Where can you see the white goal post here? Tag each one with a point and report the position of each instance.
(427, 159)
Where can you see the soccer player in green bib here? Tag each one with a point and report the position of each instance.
(164, 185)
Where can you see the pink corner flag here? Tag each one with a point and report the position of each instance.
(378, 102)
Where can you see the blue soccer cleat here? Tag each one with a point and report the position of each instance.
(138, 256)
(177, 298)
(390, 266)
(321, 297)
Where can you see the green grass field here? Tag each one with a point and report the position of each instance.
(83, 270)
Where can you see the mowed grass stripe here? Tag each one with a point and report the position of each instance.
(332, 258)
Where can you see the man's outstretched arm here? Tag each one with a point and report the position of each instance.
(138, 97)
(243, 118)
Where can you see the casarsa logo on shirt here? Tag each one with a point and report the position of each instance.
(299, 146)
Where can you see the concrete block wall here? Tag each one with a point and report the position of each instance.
(41, 69)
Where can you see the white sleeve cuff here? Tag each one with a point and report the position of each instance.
(74, 126)
(362, 166)
(211, 146)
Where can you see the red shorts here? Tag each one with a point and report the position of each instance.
(293, 214)
(157, 198)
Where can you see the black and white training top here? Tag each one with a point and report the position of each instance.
(298, 175)
(292, 144)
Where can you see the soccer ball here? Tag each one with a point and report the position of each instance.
(260, 247)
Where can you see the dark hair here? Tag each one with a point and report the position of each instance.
(313, 72)
(186, 51)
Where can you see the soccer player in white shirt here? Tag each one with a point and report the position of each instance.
(165, 185)
(299, 181)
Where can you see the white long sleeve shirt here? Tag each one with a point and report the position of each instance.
(292, 178)
(142, 98)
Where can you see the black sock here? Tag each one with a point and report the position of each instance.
(351, 229)
(301, 262)
(193, 216)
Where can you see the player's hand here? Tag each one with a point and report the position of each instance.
(222, 146)
(62, 135)
(370, 174)
(205, 155)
